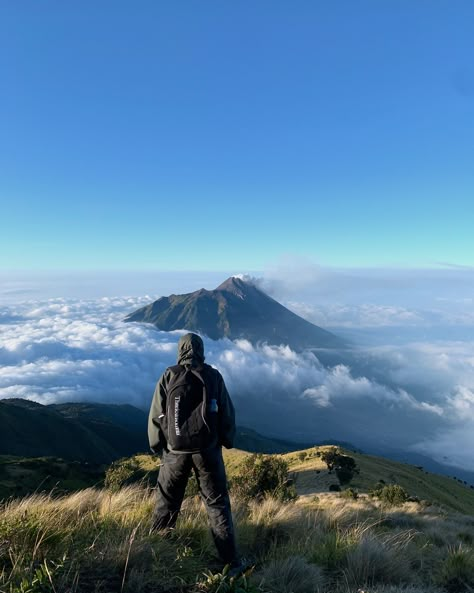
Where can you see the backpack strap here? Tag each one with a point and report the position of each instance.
(195, 372)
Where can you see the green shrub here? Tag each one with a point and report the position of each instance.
(121, 473)
(350, 493)
(344, 466)
(344, 475)
(262, 475)
(390, 494)
(41, 581)
(330, 457)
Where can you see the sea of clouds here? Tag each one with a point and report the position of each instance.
(410, 391)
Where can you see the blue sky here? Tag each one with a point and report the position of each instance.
(218, 135)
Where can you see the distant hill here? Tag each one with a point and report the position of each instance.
(93, 433)
(250, 440)
(67, 447)
(97, 433)
(236, 310)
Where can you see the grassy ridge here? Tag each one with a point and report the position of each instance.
(22, 476)
(97, 542)
(434, 488)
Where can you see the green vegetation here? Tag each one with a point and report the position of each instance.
(96, 433)
(22, 476)
(456, 571)
(393, 494)
(221, 582)
(350, 493)
(311, 477)
(263, 475)
(121, 473)
(98, 541)
(344, 466)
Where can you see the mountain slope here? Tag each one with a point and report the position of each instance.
(21, 476)
(250, 440)
(236, 310)
(434, 488)
(311, 477)
(96, 433)
(93, 433)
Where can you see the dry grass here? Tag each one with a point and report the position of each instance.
(293, 574)
(426, 486)
(97, 541)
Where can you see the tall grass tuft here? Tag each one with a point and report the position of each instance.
(456, 571)
(291, 575)
(377, 559)
(98, 541)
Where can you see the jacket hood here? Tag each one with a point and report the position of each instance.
(190, 350)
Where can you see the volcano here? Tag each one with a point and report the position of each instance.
(236, 309)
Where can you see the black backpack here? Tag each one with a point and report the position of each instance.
(190, 423)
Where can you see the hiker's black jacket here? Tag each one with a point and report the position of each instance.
(191, 351)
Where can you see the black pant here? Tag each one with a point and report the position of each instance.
(210, 474)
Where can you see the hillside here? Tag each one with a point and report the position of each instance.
(23, 476)
(98, 541)
(96, 433)
(254, 442)
(434, 488)
(67, 447)
(312, 477)
(236, 309)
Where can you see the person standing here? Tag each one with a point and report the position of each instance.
(191, 417)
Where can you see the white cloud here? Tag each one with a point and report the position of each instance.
(366, 315)
(419, 394)
(451, 447)
(319, 395)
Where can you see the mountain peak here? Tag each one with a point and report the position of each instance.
(236, 285)
(236, 309)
